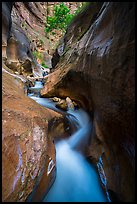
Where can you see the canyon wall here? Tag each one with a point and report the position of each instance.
(16, 51)
(28, 45)
(94, 65)
(27, 149)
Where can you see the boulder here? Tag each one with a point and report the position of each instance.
(62, 105)
(69, 103)
(59, 128)
(56, 99)
(26, 147)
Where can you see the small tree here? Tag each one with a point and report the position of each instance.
(60, 19)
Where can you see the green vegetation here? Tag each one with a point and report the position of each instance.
(60, 19)
(44, 65)
(37, 55)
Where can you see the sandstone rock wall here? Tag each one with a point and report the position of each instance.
(96, 69)
(16, 50)
(27, 148)
(23, 33)
(6, 25)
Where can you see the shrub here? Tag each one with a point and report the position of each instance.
(60, 19)
(44, 65)
(37, 54)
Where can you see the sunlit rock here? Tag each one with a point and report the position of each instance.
(26, 146)
(62, 105)
(56, 99)
(69, 103)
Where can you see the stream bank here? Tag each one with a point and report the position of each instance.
(96, 60)
(76, 179)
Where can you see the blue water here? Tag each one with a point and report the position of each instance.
(76, 179)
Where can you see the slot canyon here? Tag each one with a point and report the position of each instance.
(68, 101)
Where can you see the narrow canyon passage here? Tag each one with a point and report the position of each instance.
(76, 179)
(68, 101)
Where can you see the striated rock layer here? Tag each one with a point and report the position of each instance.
(16, 51)
(23, 35)
(28, 153)
(94, 65)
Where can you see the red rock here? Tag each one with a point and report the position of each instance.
(97, 71)
(26, 147)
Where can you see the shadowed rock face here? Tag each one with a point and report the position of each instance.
(96, 69)
(31, 17)
(6, 24)
(19, 57)
(23, 26)
(16, 50)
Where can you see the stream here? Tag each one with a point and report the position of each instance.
(76, 179)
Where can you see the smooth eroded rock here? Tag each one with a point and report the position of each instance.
(62, 105)
(27, 148)
(97, 70)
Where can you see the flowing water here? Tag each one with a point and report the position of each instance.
(76, 179)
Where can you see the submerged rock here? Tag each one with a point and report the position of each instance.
(59, 128)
